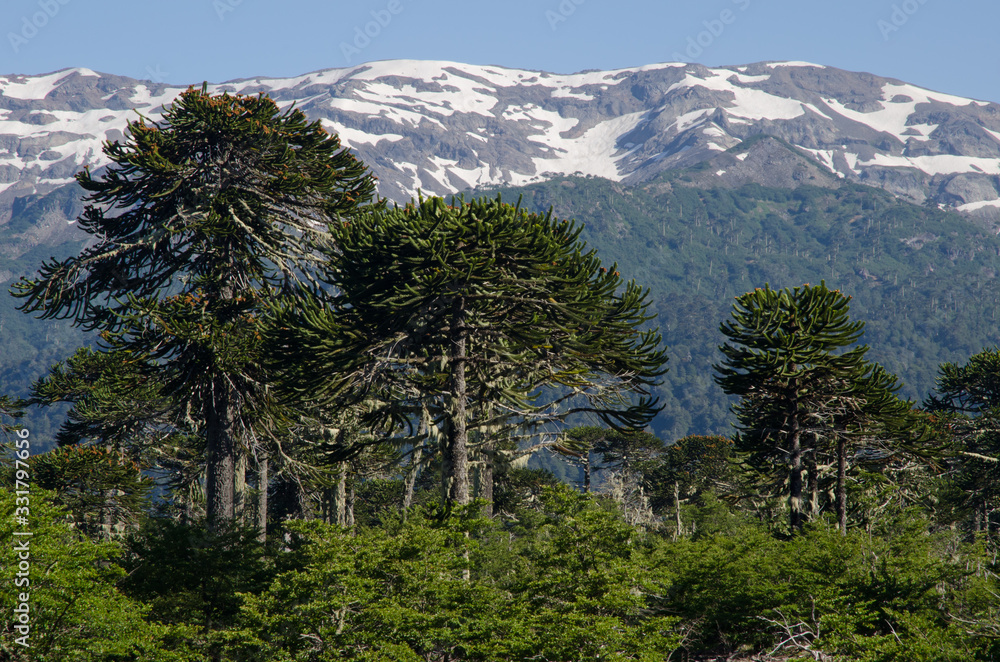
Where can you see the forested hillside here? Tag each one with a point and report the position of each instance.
(924, 280)
(29, 347)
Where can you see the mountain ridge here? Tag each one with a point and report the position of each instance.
(442, 126)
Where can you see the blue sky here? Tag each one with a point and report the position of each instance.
(945, 46)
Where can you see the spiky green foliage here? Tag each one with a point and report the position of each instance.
(456, 307)
(631, 452)
(11, 409)
(201, 217)
(973, 387)
(968, 398)
(803, 387)
(686, 470)
(223, 188)
(116, 400)
(104, 491)
(628, 450)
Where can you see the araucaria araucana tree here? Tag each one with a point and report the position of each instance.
(804, 385)
(202, 217)
(10, 408)
(489, 317)
(971, 394)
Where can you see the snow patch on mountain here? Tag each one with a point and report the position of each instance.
(588, 154)
(982, 204)
(794, 63)
(941, 164)
(38, 87)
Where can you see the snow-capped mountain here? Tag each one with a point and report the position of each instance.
(444, 126)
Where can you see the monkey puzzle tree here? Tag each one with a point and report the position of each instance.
(802, 384)
(633, 453)
(101, 489)
(687, 468)
(12, 408)
(201, 217)
(489, 317)
(116, 402)
(971, 393)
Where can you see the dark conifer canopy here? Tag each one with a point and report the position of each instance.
(538, 308)
(201, 218)
(224, 189)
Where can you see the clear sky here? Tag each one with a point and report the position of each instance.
(945, 46)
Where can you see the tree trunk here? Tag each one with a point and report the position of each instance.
(302, 497)
(341, 496)
(842, 485)
(980, 517)
(349, 507)
(411, 478)
(795, 475)
(586, 471)
(240, 505)
(221, 451)
(106, 523)
(262, 481)
(457, 452)
(677, 510)
(813, 486)
(487, 480)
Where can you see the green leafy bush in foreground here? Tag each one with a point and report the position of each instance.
(567, 579)
(898, 596)
(573, 585)
(572, 581)
(75, 609)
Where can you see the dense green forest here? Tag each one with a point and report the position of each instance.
(923, 280)
(304, 427)
(31, 347)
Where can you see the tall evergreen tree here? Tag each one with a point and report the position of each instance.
(633, 453)
(200, 218)
(13, 409)
(453, 307)
(970, 393)
(104, 491)
(803, 383)
(689, 467)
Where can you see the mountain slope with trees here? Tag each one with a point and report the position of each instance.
(923, 280)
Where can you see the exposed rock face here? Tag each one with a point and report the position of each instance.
(441, 127)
